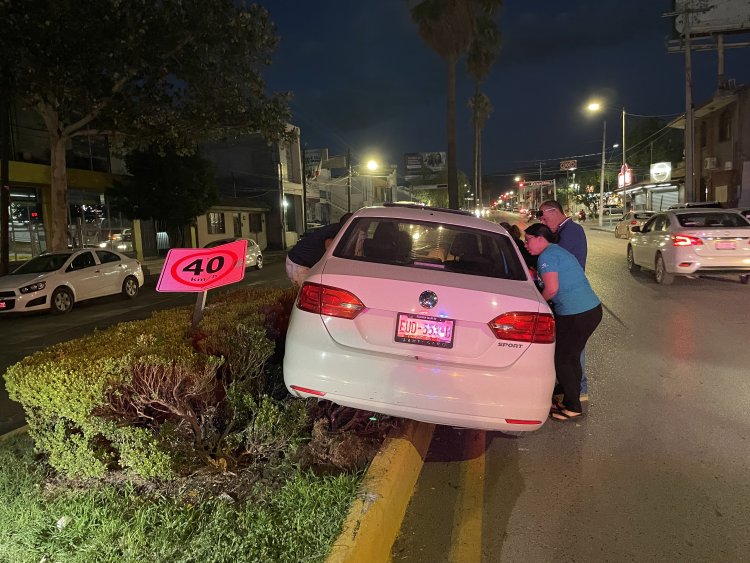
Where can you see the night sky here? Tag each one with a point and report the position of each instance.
(362, 78)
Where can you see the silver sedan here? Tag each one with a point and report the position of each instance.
(623, 228)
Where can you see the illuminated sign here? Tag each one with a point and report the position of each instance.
(192, 269)
(661, 172)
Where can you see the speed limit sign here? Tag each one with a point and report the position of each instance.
(192, 269)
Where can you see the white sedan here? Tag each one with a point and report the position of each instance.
(624, 227)
(691, 242)
(56, 280)
(253, 255)
(426, 314)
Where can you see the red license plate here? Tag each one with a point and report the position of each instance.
(424, 330)
(725, 245)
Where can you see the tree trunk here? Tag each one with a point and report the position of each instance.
(452, 160)
(57, 223)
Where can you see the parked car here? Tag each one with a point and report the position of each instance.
(691, 242)
(630, 220)
(612, 210)
(253, 255)
(57, 280)
(427, 314)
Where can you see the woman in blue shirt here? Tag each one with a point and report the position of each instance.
(578, 312)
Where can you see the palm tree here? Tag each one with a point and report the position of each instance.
(447, 26)
(482, 51)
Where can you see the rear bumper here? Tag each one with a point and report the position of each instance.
(419, 389)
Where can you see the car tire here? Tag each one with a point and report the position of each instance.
(632, 266)
(660, 272)
(745, 279)
(259, 263)
(130, 287)
(62, 301)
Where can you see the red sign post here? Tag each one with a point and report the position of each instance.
(198, 270)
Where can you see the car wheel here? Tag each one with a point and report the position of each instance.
(130, 287)
(745, 279)
(632, 266)
(62, 301)
(259, 262)
(660, 272)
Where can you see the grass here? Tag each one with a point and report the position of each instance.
(107, 523)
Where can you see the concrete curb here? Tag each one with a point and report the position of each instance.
(23, 429)
(374, 520)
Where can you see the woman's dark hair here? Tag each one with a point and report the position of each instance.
(542, 230)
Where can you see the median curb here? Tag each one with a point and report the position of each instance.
(22, 430)
(374, 520)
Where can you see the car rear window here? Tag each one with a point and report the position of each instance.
(643, 216)
(699, 219)
(433, 246)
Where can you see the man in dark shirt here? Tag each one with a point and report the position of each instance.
(572, 238)
(310, 249)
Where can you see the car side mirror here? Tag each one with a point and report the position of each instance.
(636, 229)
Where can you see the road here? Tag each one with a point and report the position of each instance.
(656, 471)
(22, 335)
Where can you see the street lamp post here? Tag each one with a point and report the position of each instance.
(601, 180)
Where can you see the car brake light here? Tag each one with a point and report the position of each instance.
(684, 240)
(330, 301)
(634, 222)
(524, 327)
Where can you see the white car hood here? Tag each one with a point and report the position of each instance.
(15, 281)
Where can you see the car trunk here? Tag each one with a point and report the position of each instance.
(471, 301)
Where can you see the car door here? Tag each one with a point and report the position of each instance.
(654, 240)
(112, 271)
(83, 275)
(639, 242)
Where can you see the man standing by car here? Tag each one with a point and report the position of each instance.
(572, 238)
(310, 249)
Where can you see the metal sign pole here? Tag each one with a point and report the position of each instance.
(200, 303)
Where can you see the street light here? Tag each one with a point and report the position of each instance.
(595, 107)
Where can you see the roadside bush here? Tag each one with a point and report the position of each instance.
(147, 397)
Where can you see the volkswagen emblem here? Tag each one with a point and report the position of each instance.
(428, 299)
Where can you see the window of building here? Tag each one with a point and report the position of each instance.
(725, 126)
(256, 223)
(215, 223)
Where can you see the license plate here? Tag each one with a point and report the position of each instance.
(424, 330)
(725, 245)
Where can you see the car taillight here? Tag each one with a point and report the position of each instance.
(684, 240)
(634, 222)
(330, 301)
(524, 327)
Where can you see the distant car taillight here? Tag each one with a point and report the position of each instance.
(634, 222)
(330, 301)
(524, 327)
(684, 240)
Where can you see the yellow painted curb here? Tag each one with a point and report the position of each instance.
(374, 519)
(14, 432)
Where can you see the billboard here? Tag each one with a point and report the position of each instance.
(434, 161)
(713, 16)
(313, 159)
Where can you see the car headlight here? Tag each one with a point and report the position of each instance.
(33, 287)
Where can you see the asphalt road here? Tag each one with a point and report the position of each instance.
(22, 335)
(656, 471)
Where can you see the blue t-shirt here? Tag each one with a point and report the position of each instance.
(573, 239)
(574, 294)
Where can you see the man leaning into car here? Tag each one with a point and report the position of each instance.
(310, 249)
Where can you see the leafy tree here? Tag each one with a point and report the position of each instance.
(173, 72)
(649, 141)
(447, 26)
(481, 57)
(167, 187)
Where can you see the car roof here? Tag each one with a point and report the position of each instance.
(430, 214)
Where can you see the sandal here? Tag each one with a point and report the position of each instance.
(557, 405)
(564, 415)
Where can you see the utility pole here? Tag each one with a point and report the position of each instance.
(304, 190)
(5, 91)
(601, 180)
(690, 194)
